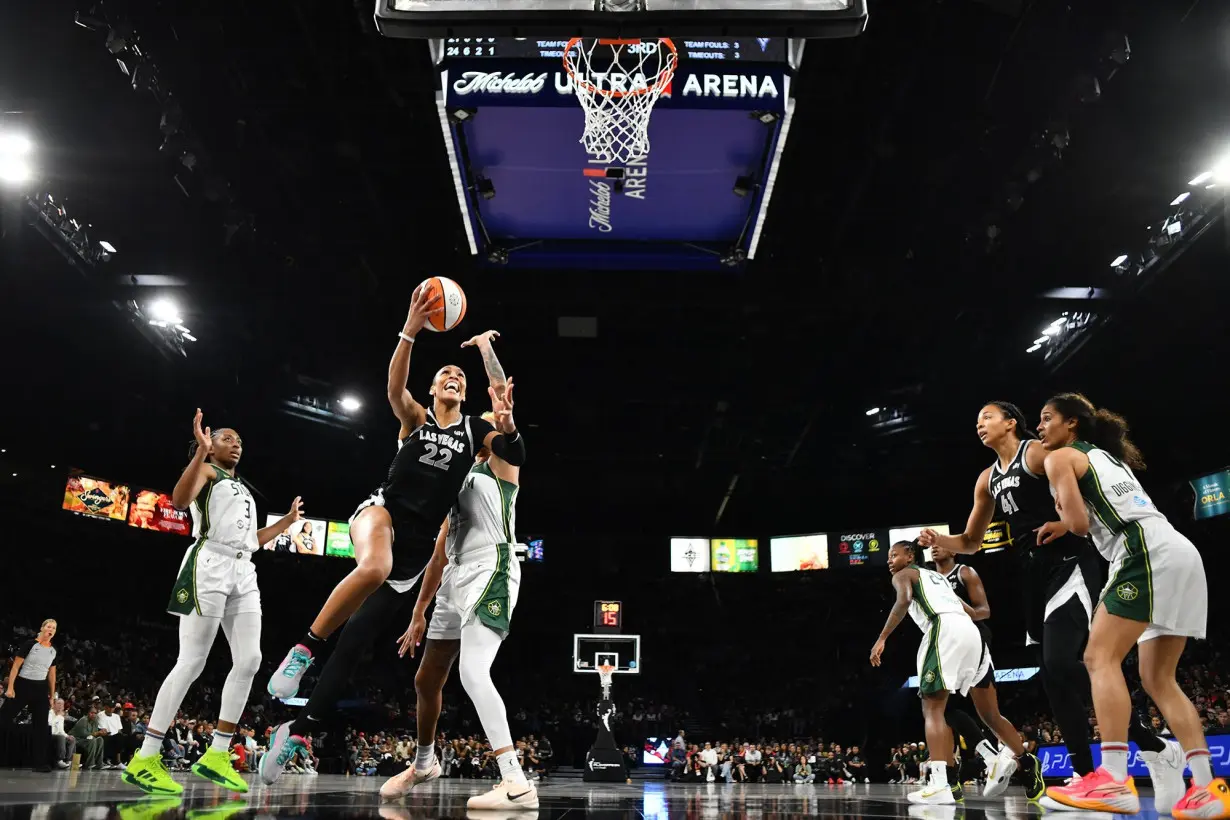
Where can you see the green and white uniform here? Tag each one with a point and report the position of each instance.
(1156, 574)
(483, 576)
(952, 656)
(217, 577)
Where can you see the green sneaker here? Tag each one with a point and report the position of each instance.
(219, 812)
(215, 766)
(1035, 786)
(149, 808)
(150, 775)
(958, 793)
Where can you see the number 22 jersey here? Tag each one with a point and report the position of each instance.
(431, 464)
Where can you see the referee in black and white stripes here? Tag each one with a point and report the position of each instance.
(32, 683)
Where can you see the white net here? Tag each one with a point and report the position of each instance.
(617, 83)
(605, 673)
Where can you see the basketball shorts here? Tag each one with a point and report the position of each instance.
(481, 584)
(413, 542)
(1158, 578)
(215, 581)
(952, 656)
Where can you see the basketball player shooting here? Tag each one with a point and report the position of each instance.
(478, 580)
(951, 658)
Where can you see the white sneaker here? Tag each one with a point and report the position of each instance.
(1166, 772)
(285, 681)
(999, 773)
(933, 794)
(399, 785)
(506, 795)
(282, 748)
(61, 764)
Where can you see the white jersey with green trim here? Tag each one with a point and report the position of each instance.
(933, 597)
(225, 513)
(484, 514)
(1115, 501)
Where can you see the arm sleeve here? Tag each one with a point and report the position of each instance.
(511, 449)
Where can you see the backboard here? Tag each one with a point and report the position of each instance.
(814, 19)
(621, 651)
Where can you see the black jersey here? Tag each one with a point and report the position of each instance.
(1023, 501)
(431, 464)
(958, 586)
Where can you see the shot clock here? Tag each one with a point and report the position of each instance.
(608, 616)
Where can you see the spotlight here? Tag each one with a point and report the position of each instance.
(350, 404)
(164, 310)
(1033, 348)
(107, 246)
(1118, 260)
(872, 411)
(1178, 200)
(1200, 179)
(766, 117)
(456, 116)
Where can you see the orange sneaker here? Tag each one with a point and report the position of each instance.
(1098, 792)
(1211, 802)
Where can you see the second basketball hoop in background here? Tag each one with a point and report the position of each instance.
(617, 83)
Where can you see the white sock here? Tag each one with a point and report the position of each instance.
(424, 756)
(222, 741)
(510, 769)
(939, 773)
(152, 744)
(1202, 771)
(1114, 760)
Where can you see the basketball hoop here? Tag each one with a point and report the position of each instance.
(605, 673)
(617, 83)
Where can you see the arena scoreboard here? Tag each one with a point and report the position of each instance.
(732, 49)
(608, 616)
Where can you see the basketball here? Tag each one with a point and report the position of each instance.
(452, 298)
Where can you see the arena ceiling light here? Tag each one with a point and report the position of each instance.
(1119, 260)
(1178, 200)
(107, 246)
(1033, 348)
(16, 150)
(1200, 179)
(872, 411)
(350, 404)
(164, 311)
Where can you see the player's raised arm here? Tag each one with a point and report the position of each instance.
(409, 412)
(197, 474)
(491, 363)
(504, 440)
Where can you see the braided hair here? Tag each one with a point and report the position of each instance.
(1013, 413)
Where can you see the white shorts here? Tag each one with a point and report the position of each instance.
(215, 581)
(481, 584)
(1163, 584)
(952, 656)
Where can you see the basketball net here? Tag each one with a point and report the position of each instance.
(617, 83)
(605, 673)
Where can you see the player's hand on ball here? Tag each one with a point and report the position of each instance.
(928, 537)
(502, 408)
(422, 305)
(296, 509)
(487, 337)
(876, 652)
(413, 636)
(204, 438)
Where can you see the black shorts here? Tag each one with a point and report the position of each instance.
(413, 539)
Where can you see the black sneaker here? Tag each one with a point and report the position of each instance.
(1031, 774)
(958, 792)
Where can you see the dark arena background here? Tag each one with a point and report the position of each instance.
(856, 225)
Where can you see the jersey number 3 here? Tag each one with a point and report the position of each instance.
(437, 457)
(1009, 506)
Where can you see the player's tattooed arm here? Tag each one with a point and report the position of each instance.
(491, 362)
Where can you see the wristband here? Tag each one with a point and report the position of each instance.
(405, 338)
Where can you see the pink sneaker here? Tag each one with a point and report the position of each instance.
(1211, 802)
(1098, 792)
(400, 785)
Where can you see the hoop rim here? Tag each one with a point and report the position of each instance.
(606, 670)
(664, 76)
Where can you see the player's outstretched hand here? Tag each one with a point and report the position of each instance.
(502, 408)
(422, 306)
(296, 509)
(204, 438)
(486, 337)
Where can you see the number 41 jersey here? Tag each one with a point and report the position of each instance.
(430, 466)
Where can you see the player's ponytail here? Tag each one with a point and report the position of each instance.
(1011, 412)
(1102, 428)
